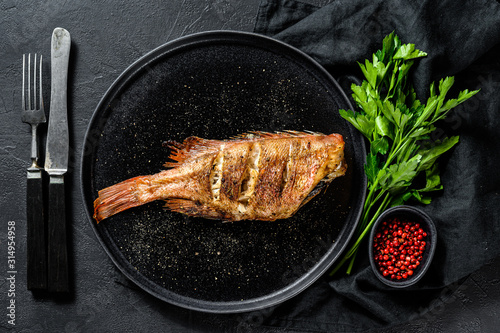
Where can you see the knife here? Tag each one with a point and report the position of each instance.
(56, 163)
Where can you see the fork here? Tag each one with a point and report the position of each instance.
(33, 113)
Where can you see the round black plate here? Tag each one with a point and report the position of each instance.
(216, 85)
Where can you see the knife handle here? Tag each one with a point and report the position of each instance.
(57, 245)
(36, 232)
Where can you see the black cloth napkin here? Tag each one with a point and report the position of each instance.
(461, 39)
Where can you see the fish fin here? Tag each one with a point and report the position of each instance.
(314, 192)
(191, 148)
(192, 208)
(276, 135)
(117, 198)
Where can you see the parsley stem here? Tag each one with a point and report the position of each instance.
(353, 250)
(379, 195)
(369, 205)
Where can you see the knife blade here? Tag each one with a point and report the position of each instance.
(56, 163)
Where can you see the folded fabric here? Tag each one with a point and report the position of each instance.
(461, 40)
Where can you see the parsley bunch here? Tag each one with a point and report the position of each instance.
(398, 127)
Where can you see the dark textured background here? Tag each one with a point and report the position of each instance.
(106, 38)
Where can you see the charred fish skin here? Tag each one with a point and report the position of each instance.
(254, 176)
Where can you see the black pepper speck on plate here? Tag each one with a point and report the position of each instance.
(216, 85)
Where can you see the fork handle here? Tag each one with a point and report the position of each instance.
(36, 232)
(57, 245)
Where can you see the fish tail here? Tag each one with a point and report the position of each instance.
(121, 196)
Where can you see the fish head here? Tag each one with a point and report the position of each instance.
(335, 164)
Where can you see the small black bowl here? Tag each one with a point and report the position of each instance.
(411, 214)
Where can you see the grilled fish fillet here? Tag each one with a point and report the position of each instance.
(254, 176)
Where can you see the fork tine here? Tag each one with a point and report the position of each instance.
(34, 83)
(40, 84)
(24, 86)
(29, 81)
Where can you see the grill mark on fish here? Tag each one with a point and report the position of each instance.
(216, 174)
(286, 169)
(251, 175)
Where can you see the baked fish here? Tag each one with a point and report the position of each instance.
(254, 176)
